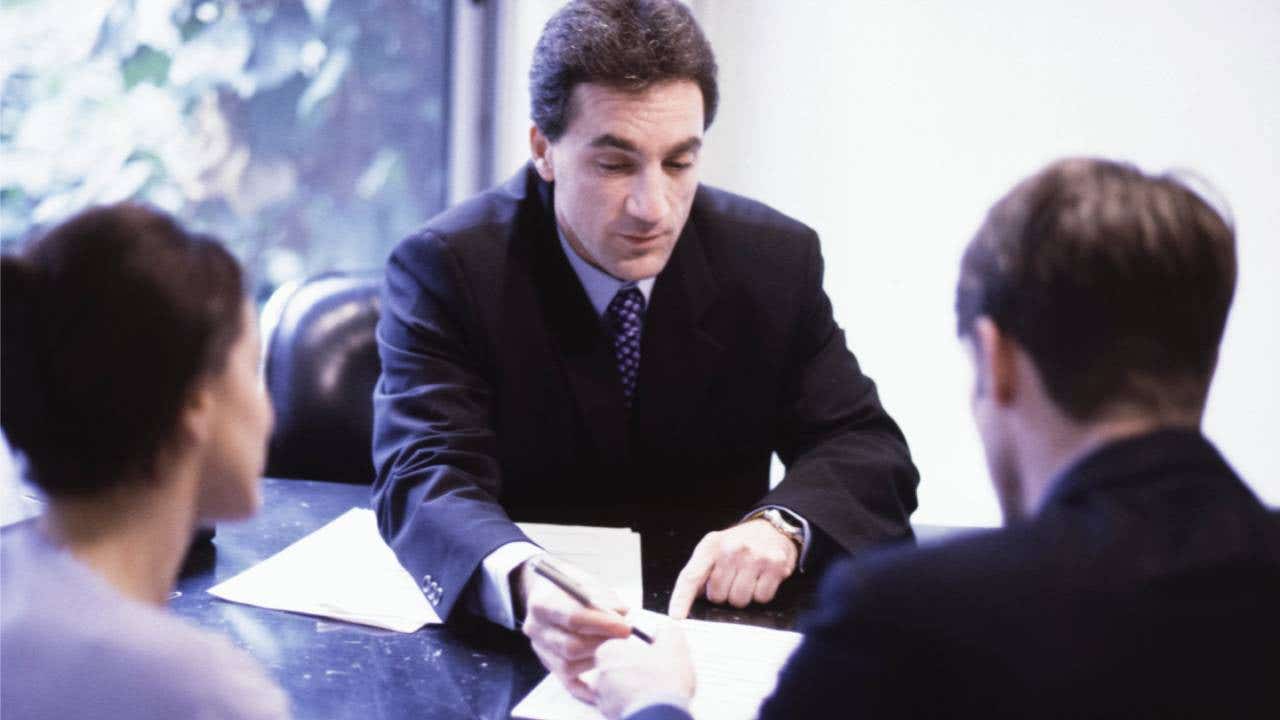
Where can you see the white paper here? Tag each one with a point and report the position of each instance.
(344, 571)
(611, 555)
(736, 666)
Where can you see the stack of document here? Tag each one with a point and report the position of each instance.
(345, 571)
(736, 667)
(611, 555)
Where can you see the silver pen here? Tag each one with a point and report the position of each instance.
(547, 569)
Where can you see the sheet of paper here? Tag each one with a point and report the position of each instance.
(610, 554)
(344, 571)
(736, 665)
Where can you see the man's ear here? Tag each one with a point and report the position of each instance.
(540, 148)
(998, 357)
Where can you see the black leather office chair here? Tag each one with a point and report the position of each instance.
(321, 363)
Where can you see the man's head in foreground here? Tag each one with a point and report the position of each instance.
(1093, 299)
(622, 91)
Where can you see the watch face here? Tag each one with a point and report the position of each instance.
(776, 519)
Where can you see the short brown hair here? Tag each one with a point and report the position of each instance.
(1116, 283)
(628, 44)
(108, 321)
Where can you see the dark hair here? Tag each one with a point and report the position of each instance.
(108, 320)
(1116, 283)
(629, 44)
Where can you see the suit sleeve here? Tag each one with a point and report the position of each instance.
(434, 447)
(660, 712)
(849, 472)
(856, 659)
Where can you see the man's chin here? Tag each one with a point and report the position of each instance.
(640, 268)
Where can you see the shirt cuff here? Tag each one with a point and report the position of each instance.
(496, 602)
(796, 519)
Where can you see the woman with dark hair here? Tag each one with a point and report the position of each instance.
(129, 376)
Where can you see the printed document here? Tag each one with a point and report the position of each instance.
(736, 666)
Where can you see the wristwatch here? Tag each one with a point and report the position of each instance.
(775, 518)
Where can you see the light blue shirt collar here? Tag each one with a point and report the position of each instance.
(600, 285)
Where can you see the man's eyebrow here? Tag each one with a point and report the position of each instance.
(609, 140)
(685, 146)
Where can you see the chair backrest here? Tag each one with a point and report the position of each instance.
(321, 363)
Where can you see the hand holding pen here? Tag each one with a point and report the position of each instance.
(565, 631)
(580, 592)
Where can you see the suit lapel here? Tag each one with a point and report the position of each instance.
(585, 350)
(678, 356)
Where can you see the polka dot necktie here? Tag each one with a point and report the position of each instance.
(625, 317)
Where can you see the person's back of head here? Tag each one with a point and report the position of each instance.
(109, 320)
(1094, 297)
(1116, 283)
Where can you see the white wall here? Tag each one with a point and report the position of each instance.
(520, 25)
(891, 126)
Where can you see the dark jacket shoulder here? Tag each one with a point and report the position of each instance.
(1150, 556)
(909, 587)
(476, 231)
(732, 211)
(737, 229)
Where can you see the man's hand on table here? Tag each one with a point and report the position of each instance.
(564, 634)
(631, 674)
(743, 563)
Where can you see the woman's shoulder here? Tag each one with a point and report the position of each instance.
(71, 643)
(206, 673)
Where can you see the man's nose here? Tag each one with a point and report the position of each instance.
(648, 201)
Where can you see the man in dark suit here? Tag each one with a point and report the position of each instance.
(1137, 575)
(604, 340)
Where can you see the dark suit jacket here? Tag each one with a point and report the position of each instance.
(499, 398)
(1148, 586)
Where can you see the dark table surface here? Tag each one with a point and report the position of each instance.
(469, 669)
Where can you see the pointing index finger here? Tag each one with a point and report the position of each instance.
(692, 578)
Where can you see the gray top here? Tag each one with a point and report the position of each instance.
(73, 647)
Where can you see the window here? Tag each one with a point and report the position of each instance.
(306, 134)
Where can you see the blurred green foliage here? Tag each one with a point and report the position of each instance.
(307, 134)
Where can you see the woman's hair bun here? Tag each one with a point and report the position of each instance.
(108, 320)
(20, 396)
